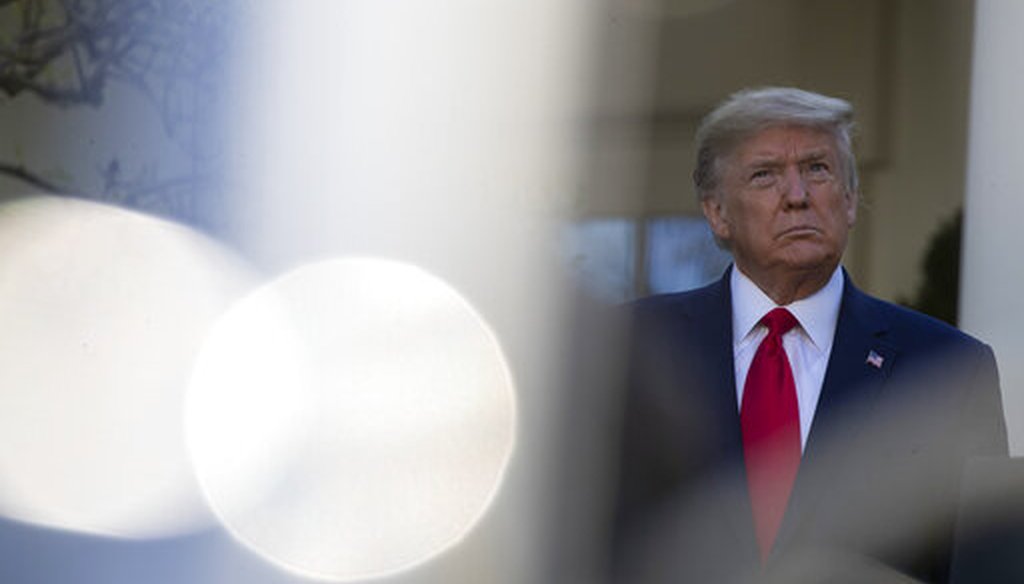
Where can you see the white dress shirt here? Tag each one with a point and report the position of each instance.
(807, 346)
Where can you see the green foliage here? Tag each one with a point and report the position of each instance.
(939, 293)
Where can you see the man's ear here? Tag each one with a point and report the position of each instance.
(852, 200)
(715, 213)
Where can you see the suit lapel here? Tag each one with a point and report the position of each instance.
(714, 326)
(858, 366)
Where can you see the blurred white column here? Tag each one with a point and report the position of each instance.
(993, 273)
(439, 134)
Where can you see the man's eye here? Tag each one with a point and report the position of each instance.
(818, 172)
(761, 177)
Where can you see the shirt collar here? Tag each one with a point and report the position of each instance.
(818, 313)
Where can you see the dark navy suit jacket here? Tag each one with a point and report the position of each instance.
(877, 488)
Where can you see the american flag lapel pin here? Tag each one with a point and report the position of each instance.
(874, 359)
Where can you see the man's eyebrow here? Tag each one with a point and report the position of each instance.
(816, 154)
(771, 159)
(763, 160)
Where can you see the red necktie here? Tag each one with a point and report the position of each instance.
(770, 419)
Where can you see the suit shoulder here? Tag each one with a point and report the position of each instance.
(911, 327)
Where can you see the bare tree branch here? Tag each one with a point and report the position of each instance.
(67, 52)
(26, 176)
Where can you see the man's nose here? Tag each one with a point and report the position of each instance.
(795, 187)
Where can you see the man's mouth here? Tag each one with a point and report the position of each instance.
(800, 231)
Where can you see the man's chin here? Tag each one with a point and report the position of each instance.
(810, 259)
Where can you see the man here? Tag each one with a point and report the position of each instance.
(780, 424)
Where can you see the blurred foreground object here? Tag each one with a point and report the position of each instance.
(443, 139)
(351, 419)
(990, 525)
(103, 312)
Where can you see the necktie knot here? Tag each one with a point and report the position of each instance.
(779, 322)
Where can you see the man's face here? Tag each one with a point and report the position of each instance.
(782, 205)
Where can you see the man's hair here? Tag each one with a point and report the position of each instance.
(749, 111)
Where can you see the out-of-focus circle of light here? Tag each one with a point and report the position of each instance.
(351, 419)
(102, 311)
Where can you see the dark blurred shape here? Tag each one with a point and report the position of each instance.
(580, 480)
(989, 546)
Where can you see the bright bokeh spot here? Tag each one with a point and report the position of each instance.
(351, 419)
(103, 312)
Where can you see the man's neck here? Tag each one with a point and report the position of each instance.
(789, 287)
